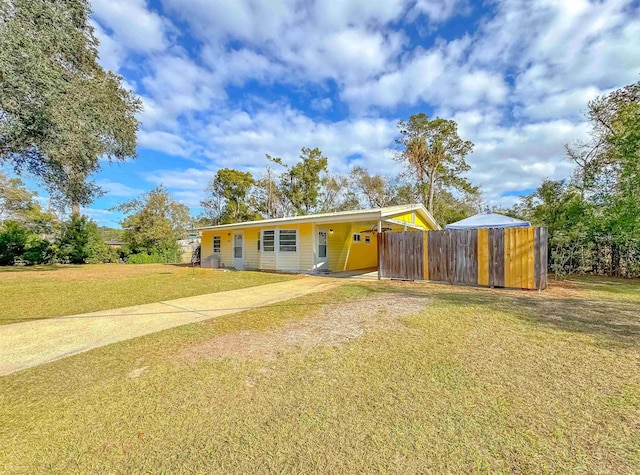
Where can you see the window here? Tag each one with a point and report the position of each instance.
(269, 241)
(216, 244)
(367, 239)
(357, 237)
(288, 240)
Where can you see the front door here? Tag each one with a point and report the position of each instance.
(322, 252)
(238, 251)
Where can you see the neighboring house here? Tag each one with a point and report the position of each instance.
(114, 243)
(328, 242)
(188, 250)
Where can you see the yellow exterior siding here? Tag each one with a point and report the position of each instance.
(362, 255)
(289, 261)
(412, 218)
(206, 247)
(338, 245)
(306, 246)
(251, 254)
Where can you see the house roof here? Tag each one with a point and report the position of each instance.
(488, 220)
(375, 214)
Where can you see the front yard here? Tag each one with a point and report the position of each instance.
(369, 377)
(28, 293)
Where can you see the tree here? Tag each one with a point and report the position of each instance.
(267, 198)
(79, 241)
(433, 151)
(227, 198)
(377, 191)
(336, 194)
(300, 184)
(19, 204)
(154, 223)
(59, 110)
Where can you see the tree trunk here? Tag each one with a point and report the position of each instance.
(75, 209)
(432, 180)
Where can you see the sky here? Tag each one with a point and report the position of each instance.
(225, 82)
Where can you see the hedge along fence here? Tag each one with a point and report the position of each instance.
(495, 257)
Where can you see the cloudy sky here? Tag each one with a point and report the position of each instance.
(226, 82)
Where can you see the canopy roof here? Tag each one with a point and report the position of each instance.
(488, 220)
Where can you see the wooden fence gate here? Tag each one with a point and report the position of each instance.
(495, 257)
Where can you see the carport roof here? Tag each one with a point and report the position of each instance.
(383, 214)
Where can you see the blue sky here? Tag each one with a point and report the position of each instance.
(226, 82)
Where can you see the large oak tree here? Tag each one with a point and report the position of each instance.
(60, 111)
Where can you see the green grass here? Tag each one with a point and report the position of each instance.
(480, 381)
(30, 293)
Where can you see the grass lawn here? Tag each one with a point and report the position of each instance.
(28, 293)
(449, 380)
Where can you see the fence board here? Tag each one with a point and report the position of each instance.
(512, 257)
(496, 257)
(400, 255)
(483, 256)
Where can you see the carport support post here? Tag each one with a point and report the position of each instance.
(378, 241)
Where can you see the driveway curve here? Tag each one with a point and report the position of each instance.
(28, 344)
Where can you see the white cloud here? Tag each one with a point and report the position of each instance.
(134, 26)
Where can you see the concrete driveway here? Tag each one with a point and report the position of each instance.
(28, 344)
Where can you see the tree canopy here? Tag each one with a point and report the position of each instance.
(594, 219)
(154, 222)
(60, 111)
(435, 154)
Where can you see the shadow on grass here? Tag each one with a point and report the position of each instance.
(618, 320)
(37, 268)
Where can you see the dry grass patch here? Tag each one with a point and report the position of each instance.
(330, 324)
(30, 293)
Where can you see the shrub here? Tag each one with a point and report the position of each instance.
(80, 242)
(38, 251)
(13, 240)
(166, 257)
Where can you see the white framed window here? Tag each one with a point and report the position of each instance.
(216, 244)
(367, 238)
(268, 240)
(288, 240)
(357, 237)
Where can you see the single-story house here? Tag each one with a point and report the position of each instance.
(327, 242)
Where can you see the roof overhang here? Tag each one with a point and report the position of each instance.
(379, 214)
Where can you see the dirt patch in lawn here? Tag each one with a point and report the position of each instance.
(332, 324)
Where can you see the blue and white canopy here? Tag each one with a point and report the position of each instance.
(488, 220)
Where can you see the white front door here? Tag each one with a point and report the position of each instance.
(238, 251)
(322, 250)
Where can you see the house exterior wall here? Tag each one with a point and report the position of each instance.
(412, 218)
(343, 252)
(287, 261)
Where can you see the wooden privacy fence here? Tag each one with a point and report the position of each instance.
(495, 257)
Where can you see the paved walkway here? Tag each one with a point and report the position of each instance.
(27, 344)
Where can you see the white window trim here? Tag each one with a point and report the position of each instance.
(367, 238)
(359, 240)
(297, 244)
(213, 245)
(275, 240)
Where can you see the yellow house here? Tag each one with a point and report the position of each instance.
(328, 242)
